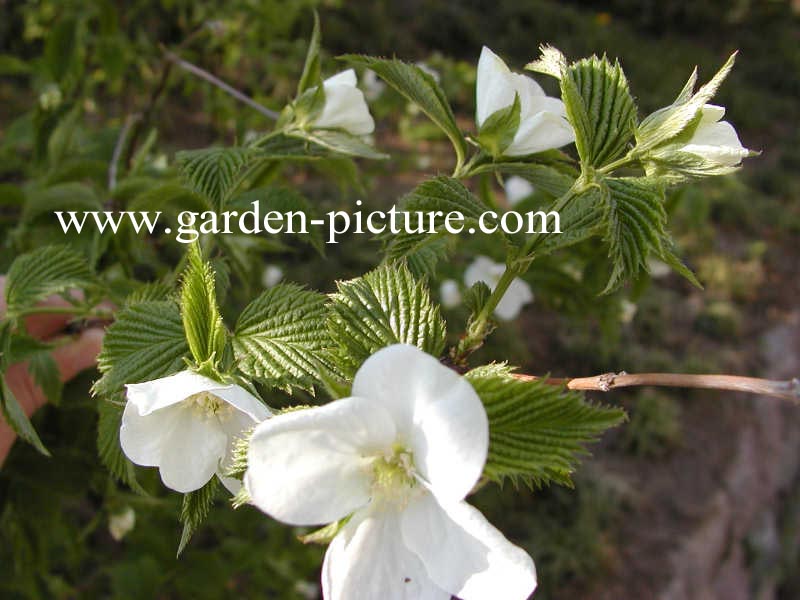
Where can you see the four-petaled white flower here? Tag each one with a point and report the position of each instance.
(542, 119)
(716, 140)
(396, 459)
(449, 293)
(517, 295)
(185, 425)
(517, 189)
(345, 106)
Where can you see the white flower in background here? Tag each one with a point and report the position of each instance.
(345, 106)
(271, 276)
(627, 311)
(185, 425)
(449, 293)
(716, 140)
(542, 119)
(517, 189)
(517, 295)
(429, 70)
(398, 457)
(122, 523)
(373, 86)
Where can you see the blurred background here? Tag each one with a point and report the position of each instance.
(697, 496)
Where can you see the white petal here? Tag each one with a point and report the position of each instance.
(243, 401)
(345, 108)
(541, 132)
(711, 114)
(313, 466)
(438, 415)
(517, 189)
(186, 448)
(464, 554)
(530, 94)
(369, 560)
(346, 77)
(166, 391)
(517, 295)
(483, 269)
(717, 142)
(449, 293)
(493, 89)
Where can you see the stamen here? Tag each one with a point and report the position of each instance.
(207, 405)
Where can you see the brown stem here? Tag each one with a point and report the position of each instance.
(787, 390)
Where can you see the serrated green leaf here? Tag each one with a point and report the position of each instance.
(195, 509)
(43, 202)
(280, 337)
(43, 272)
(635, 225)
(15, 416)
(311, 68)
(386, 306)
(420, 88)
(476, 297)
(213, 172)
(536, 430)
(202, 322)
(342, 142)
(108, 448)
(145, 342)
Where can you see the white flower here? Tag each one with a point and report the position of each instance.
(185, 425)
(716, 140)
(373, 86)
(517, 295)
(449, 293)
(122, 523)
(542, 119)
(657, 268)
(271, 276)
(517, 189)
(345, 106)
(423, 66)
(627, 311)
(398, 457)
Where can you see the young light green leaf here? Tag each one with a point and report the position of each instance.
(213, 172)
(420, 88)
(536, 430)
(281, 337)
(145, 342)
(311, 68)
(195, 509)
(386, 306)
(43, 272)
(202, 321)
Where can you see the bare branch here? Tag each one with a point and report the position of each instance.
(203, 74)
(118, 147)
(787, 390)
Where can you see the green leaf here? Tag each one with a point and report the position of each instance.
(15, 416)
(195, 509)
(598, 103)
(536, 430)
(43, 272)
(342, 142)
(681, 117)
(497, 132)
(547, 178)
(145, 342)
(61, 47)
(325, 534)
(202, 321)
(213, 172)
(386, 306)
(281, 336)
(11, 65)
(635, 225)
(108, 447)
(311, 68)
(420, 88)
(43, 202)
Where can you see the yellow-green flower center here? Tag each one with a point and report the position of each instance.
(206, 405)
(393, 475)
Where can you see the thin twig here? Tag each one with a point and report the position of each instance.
(195, 70)
(787, 390)
(118, 147)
